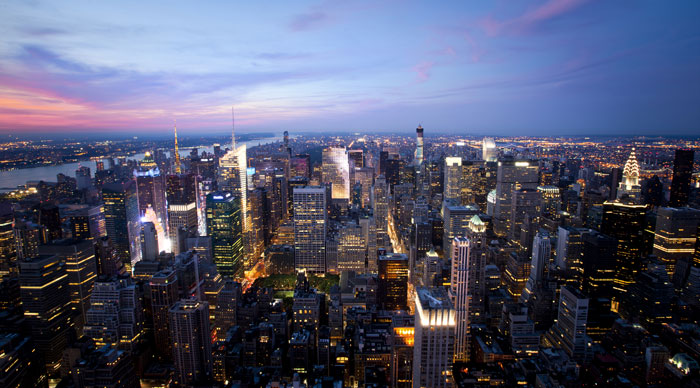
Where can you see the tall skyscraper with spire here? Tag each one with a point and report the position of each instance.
(629, 185)
(178, 169)
(232, 175)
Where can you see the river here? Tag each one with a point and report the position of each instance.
(9, 180)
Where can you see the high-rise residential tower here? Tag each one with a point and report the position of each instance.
(191, 341)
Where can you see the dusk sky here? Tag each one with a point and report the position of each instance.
(569, 67)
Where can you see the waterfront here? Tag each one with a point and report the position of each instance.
(10, 180)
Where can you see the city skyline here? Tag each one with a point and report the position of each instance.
(557, 67)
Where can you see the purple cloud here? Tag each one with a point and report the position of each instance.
(531, 19)
(308, 21)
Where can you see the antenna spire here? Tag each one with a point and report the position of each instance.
(178, 169)
(233, 129)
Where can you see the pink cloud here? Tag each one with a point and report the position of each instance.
(528, 21)
(450, 51)
(423, 70)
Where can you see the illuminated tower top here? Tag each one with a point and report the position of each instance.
(148, 162)
(629, 185)
(631, 170)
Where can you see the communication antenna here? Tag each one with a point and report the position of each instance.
(233, 129)
(178, 169)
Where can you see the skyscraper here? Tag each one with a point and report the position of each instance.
(455, 222)
(87, 221)
(453, 180)
(352, 249)
(115, 316)
(570, 250)
(83, 179)
(163, 286)
(626, 222)
(150, 189)
(599, 262)
(181, 218)
(675, 235)
(569, 332)
(191, 341)
(512, 175)
(50, 218)
(182, 208)
(224, 226)
(122, 220)
(466, 283)
(46, 302)
(380, 201)
(149, 242)
(356, 157)
(682, 174)
(178, 168)
(232, 177)
(79, 259)
(489, 152)
(434, 344)
(459, 294)
(541, 255)
(8, 250)
(335, 172)
(300, 165)
(393, 281)
(525, 208)
(629, 186)
(419, 146)
(226, 308)
(310, 228)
